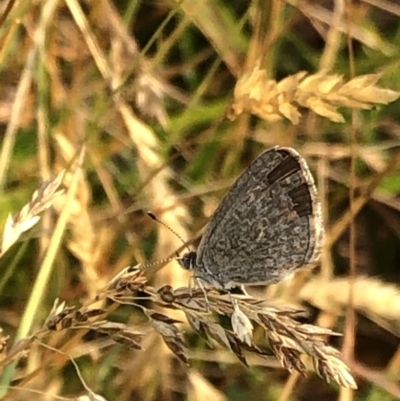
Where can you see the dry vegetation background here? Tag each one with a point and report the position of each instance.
(109, 109)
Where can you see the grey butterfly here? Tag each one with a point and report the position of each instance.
(267, 226)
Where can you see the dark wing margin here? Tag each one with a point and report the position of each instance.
(305, 199)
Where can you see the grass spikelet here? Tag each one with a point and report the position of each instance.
(323, 94)
(288, 339)
(29, 215)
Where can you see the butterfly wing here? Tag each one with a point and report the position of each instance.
(268, 224)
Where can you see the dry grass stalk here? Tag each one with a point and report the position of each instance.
(83, 237)
(323, 94)
(28, 217)
(288, 339)
(378, 300)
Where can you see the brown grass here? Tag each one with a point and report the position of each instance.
(140, 91)
(287, 339)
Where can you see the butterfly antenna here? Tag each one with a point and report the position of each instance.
(146, 266)
(158, 262)
(155, 218)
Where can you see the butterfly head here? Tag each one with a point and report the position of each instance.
(188, 260)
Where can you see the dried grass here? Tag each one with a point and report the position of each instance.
(378, 300)
(323, 94)
(149, 110)
(82, 236)
(29, 216)
(287, 339)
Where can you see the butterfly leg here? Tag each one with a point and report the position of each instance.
(198, 281)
